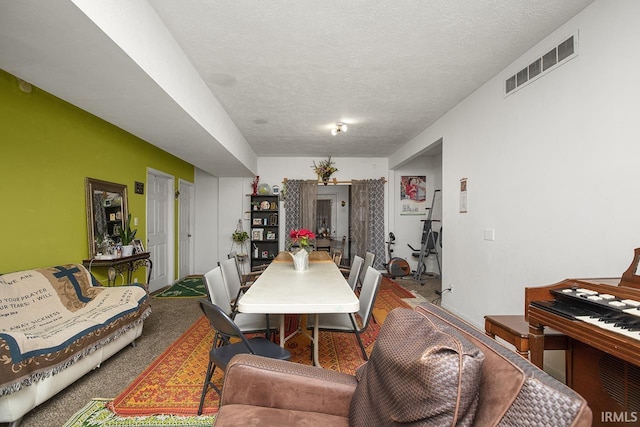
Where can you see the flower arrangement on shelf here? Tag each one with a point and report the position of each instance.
(302, 237)
(324, 169)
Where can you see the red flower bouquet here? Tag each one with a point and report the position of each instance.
(302, 237)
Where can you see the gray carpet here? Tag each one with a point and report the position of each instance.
(170, 318)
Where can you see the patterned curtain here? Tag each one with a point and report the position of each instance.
(367, 219)
(300, 206)
(291, 209)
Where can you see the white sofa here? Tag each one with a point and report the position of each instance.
(57, 324)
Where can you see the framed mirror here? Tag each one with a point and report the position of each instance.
(106, 214)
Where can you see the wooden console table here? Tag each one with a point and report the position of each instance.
(127, 264)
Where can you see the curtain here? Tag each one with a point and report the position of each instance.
(367, 219)
(308, 205)
(300, 206)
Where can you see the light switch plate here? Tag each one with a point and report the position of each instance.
(489, 234)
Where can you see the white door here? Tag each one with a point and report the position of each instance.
(186, 210)
(159, 226)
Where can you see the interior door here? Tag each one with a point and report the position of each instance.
(158, 229)
(186, 210)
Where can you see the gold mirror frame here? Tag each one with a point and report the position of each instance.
(109, 191)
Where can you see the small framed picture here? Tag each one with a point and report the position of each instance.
(257, 234)
(257, 221)
(138, 247)
(271, 235)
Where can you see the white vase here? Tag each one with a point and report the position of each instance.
(300, 260)
(127, 250)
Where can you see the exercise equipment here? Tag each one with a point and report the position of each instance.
(396, 267)
(428, 243)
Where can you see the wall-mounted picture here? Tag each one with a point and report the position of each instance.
(257, 234)
(413, 194)
(138, 247)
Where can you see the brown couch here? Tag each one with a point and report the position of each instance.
(427, 367)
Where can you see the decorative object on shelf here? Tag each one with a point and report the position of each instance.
(138, 247)
(324, 169)
(264, 189)
(254, 185)
(339, 128)
(300, 260)
(265, 205)
(275, 190)
(126, 237)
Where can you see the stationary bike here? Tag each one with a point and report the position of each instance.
(396, 267)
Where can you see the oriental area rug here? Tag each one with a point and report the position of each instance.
(173, 382)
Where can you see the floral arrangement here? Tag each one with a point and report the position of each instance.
(302, 237)
(324, 169)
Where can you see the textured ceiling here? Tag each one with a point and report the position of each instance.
(285, 71)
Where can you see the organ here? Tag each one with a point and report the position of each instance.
(601, 318)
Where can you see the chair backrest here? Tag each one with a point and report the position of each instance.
(354, 273)
(336, 255)
(368, 293)
(368, 262)
(222, 323)
(231, 277)
(218, 293)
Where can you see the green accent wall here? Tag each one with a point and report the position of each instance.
(48, 147)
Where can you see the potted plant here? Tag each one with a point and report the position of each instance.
(126, 237)
(240, 237)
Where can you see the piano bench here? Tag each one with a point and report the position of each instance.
(514, 329)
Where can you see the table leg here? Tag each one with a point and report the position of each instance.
(283, 339)
(316, 341)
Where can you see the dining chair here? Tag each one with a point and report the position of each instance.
(347, 322)
(233, 280)
(354, 271)
(247, 322)
(336, 256)
(222, 350)
(369, 258)
(246, 279)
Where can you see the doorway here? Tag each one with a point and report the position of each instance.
(160, 226)
(333, 209)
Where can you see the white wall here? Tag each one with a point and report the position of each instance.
(206, 224)
(553, 169)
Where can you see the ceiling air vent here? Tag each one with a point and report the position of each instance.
(547, 62)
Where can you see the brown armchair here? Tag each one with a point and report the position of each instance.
(427, 368)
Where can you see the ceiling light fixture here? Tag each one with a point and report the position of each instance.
(339, 127)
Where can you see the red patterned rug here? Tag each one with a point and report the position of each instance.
(173, 382)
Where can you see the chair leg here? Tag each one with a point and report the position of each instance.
(207, 382)
(355, 330)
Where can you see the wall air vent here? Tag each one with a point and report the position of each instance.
(549, 61)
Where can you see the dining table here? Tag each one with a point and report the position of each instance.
(281, 289)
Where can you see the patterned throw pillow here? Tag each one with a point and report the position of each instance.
(418, 375)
